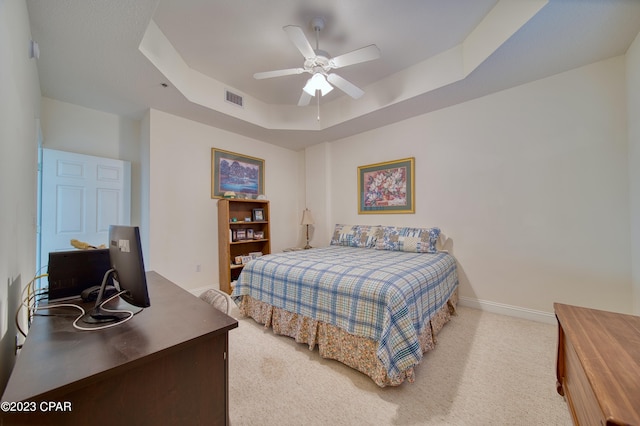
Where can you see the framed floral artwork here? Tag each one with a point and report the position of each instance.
(231, 172)
(387, 187)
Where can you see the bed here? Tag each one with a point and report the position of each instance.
(374, 299)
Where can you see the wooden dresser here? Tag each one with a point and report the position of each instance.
(168, 365)
(598, 365)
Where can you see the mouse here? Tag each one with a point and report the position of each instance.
(91, 294)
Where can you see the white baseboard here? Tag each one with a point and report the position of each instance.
(510, 310)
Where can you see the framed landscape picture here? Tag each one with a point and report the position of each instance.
(387, 187)
(239, 173)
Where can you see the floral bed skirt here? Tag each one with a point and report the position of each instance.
(334, 343)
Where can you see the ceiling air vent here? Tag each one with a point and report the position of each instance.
(233, 98)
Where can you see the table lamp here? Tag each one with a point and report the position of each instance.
(307, 220)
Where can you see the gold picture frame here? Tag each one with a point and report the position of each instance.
(242, 174)
(387, 187)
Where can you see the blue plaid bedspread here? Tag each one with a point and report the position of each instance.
(387, 296)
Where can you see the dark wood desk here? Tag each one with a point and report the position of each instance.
(598, 365)
(167, 365)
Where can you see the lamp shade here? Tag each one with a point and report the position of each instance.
(317, 82)
(307, 218)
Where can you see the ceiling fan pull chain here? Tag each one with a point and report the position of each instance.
(318, 96)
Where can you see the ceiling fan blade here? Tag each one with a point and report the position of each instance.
(346, 86)
(277, 73)
(305, 98)
(296, 35)
(357, 56)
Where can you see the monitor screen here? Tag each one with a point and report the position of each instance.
(70, 272)
(127, 271)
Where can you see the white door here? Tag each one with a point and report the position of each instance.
(81, 196)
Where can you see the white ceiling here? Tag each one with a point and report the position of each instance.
(97, 54)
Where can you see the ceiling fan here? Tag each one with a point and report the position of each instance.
(319, 64)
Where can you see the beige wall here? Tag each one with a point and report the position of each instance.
(535, 185)
(317, 190)
(182, 215)
(633, 119)
(171, 167)
(530, 183)
(19, 112)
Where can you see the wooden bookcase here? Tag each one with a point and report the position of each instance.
(230, 242)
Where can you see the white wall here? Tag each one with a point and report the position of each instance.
(157, 144)
(530, 183)
(317, 190)
(536, 185)
(633, 118)
(145, 144)
(183, 216)
(73, 128)
(19, 109)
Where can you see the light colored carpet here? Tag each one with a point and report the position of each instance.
(487, 369)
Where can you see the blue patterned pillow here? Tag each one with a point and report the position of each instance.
(417, 240)
(342, 235)
(359, 236)
(365, 236)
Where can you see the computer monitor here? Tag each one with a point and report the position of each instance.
(127, 271)
(71, 272)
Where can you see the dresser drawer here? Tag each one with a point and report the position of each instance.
(598, 365)
(578, 393)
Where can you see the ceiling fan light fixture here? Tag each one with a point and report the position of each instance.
(320, 64)
(317, 82)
